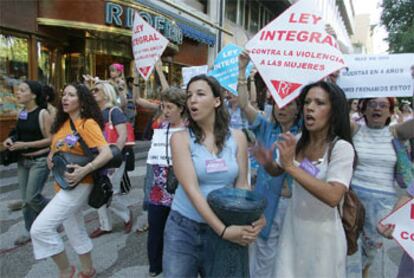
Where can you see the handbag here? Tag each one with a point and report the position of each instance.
(112, 134)
(60, 161)
(101, 193)
(352, 216)
(8, 157)
(172, 182)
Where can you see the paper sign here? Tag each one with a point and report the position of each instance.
(156, 153)
(403, 218)
(147, 45)
(294, 50)
(226, 67)
(190, 72)
(377, 76)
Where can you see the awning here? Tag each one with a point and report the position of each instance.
(190, 29)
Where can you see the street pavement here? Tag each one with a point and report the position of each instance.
(114, 255)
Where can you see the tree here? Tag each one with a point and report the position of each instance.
(398, 19)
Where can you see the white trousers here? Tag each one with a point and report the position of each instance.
(118, 207)
(263, 253)
(66, 208)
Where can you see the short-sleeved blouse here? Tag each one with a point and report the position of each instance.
(313, 242)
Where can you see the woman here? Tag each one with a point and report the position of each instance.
(105, 96)
(207, 142)
(263, 252)
(373, 182)
(313, 242)
(173, 106)
(31, 139)
(77, 105)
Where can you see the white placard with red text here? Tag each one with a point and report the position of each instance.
(294, 50)
(403, 218)
(147, 45)
(377, 75)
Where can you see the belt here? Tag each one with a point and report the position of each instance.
(35, 156)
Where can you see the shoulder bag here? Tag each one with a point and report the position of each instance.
(101, 193)
(172, 182)
(352, 216)
(112, 134)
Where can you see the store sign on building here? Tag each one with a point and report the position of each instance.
(121, 16)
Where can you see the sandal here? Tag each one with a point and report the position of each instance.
(87, 275)
(142, 229)
(72, 271)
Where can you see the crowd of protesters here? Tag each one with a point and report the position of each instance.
(302, 158)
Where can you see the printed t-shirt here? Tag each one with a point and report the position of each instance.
(91, 133)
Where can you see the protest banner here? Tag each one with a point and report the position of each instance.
(156, 153)
(381, 75)
(190, 72)
(294, 50)
(226, 67)
(147, 45)
(403, 219)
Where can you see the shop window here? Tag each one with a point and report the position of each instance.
(44, 63)
(74, 67)
(231, 10)
(14, 59)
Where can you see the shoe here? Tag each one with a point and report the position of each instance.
(154, 273)
(87, 275)
(98, 232)
(22, 240)
(15, 205)
(128, 225)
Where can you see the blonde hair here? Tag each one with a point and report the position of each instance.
(109, 93)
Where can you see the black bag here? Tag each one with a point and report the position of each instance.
(172, 182)
(101, 193)
(60, 161)
(8, 157)
(129, 158)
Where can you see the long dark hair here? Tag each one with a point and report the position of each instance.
(89, 109)
(221, 123)
(339, 123)
(37, 89)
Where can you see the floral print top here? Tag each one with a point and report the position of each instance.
(158, 194)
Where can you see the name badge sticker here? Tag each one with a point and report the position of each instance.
(23, 115)
(308, 167)
(216, 166)
(71, 140)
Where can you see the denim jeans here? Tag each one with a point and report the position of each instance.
(32, 175)
(187, 252)
(148, 182)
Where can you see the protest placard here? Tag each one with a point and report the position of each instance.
(156, 153)
(294, 50)
(190, 72)
(381, 75)
(147, 45)
(403, 219)
(226, 67)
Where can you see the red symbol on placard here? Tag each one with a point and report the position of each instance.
(145, 70)
(412, 211)
(284, 88)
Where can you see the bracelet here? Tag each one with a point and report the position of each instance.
(224, 230)
(242, 82)
(136, 85)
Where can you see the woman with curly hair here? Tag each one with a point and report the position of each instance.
(196, 152)
(77, 106)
